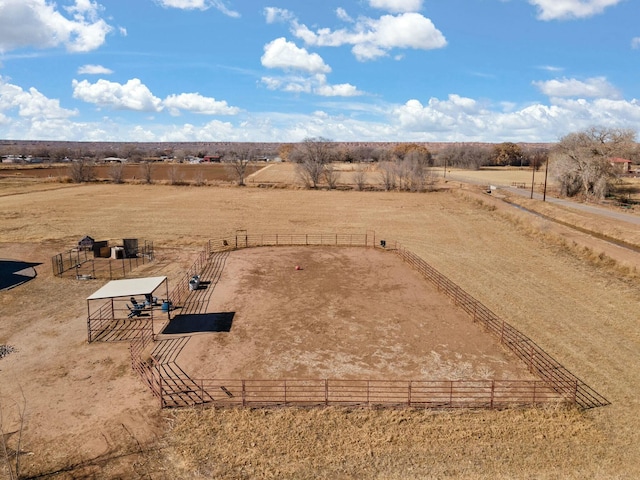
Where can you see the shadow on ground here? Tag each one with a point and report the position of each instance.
(16, 272)
(200, 322)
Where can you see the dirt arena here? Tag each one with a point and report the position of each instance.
(347, 313)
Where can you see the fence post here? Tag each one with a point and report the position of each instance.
(368, 390)
(451, 393)
(159, 384)
(531, 354)
(409, 395)
(326, 392)
(244, 400)
(493, 388)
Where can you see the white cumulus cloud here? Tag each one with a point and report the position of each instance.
(373, 38)
(340, 90)
(196, 103)
(274, 14)
(397, 6)
(199, 5)
(285, 55)
(596, 87)
(316, 84)
(464, 119)
(133, 95)
(570, 9)
(342, 14)
(94, 70)
(31, 103)
(40, 24)
(635, 42)
(136, 96)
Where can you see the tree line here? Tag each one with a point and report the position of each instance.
(580, 162)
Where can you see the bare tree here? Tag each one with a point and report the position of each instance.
(145, 171)
(82, 171)
(238, 162)
(415, 165)
(465, 156)
(360, 176)
(330, 175)
(405, 169)
(312, 158)
(116, 172)
(581, 160)
(387, 171)
(175, 175)
(199, 179)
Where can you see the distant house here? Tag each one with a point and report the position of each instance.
(211, 159)
(621, 165)
(114, 160)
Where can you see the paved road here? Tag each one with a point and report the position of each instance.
(621, 216)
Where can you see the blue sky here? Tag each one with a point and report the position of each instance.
(285, 70)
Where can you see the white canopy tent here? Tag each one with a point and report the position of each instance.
(128, 287)
(105, 315)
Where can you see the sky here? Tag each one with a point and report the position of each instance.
(344, 70)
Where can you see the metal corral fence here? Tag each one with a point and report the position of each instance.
(180, 292)
(361, 393)
(556, 383)
(244, 240)
(146, 366)
(82, 264)
(111, 322)
(539, 362)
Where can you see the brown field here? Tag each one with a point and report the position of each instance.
(86, 415)
(160, 172)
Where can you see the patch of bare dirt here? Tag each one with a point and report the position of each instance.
(349, 313)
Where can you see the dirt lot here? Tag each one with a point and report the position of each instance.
(349, 313)
(87, 416)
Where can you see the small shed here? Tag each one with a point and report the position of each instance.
(622, 165)
(121, 309)
(86, 243)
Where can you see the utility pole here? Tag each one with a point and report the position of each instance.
(546, 171)
(533, 175)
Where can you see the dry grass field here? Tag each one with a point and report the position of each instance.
(86, 415)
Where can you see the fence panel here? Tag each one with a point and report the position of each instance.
(540, 363)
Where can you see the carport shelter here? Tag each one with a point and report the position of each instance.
(109, 308)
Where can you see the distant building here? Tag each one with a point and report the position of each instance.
(114, 160)
(622, 165)
(86, 243)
